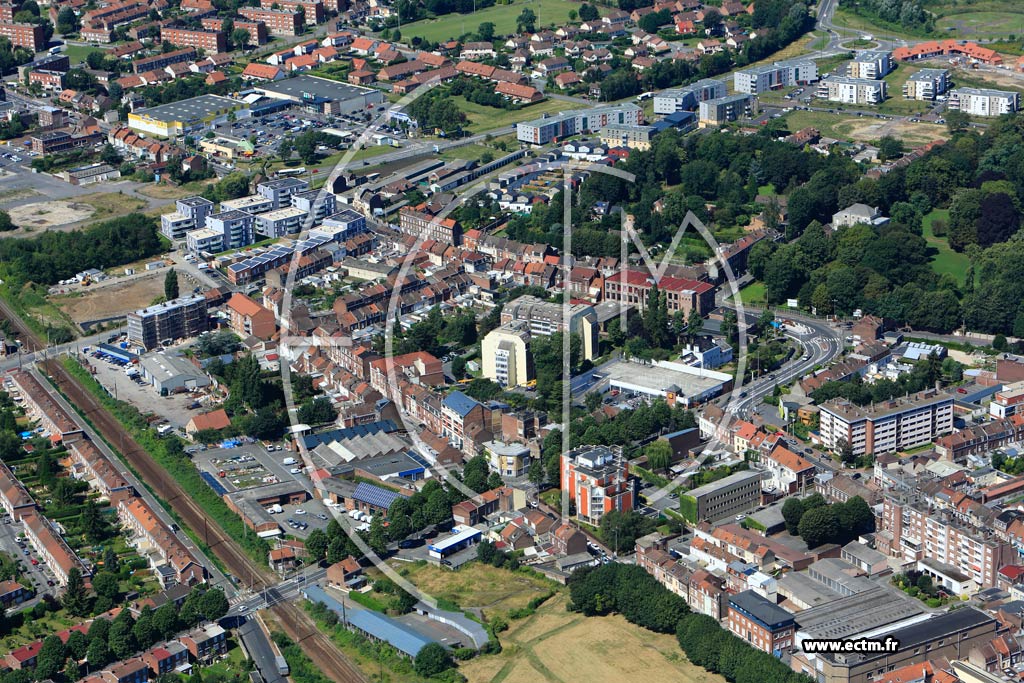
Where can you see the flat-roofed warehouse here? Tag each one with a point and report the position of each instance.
(178, 118)
(672, 381)
(322, 94)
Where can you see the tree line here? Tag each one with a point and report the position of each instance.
(817, 522)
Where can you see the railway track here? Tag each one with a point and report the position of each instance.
(295, 622)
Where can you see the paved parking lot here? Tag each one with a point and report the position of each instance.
(39, 574)
(173, 408)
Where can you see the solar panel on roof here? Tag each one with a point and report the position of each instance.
(418, 459)
(374, 495)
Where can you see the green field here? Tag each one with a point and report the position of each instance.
(753, 294)
(982, 20)
(483, 118)
(78, 53)
(945, 260)
(450, 26)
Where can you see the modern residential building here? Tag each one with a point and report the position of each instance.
(724, 109)
(204, 241)
(197, 208)
(596, 479)
(545, 318)
(852, 90)
(163, 60)
(179, 318)
(564, 124)
(631, 137)
(871, 64)
(505, 355)
(280, 222)
(689, 97)
(253, 204)
(508, 459)
(859, 214)
(1007, 401)
(761, 623)
(317, 204)
(984, 102)
(632, 287)
(889, 426)
(174, 226)
(235, 228)
(759, 79)
(280, 190)
(926, 84)
(733, 495)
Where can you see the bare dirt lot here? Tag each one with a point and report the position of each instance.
(114, 299)
(49, 214)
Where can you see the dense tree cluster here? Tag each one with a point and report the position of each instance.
(924, 375)
(434, 111)
(906, 14)
(57, 255)
(707, 644)
(628, 590)
(817, 522)
(619, 530)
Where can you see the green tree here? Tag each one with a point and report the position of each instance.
(474, 473)
(619, 530)
(889, 148)
(316, 544)
(67, 21)
(76, 600)
(98, 654)
(106, 585)
(171, 285)
(77, 645)
(485, 31)
(213, 604)
(432, 660)
(957, 121)
(526, 22)
(659, 455)
(819, 525)
(122, 636)
(110, 561)
(588, 12)
(51, 658)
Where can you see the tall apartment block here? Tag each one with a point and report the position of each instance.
(179, 318)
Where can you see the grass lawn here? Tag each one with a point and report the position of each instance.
(78, 53)
(865, 129)
(555, 645)
(754, 293)
(861, 24)
(984, 19)
(477, 585)
(945, 260)
(483, 118)
(767, 190)
(897, 104)
(468, 152)
(111, 204)
(549, 13)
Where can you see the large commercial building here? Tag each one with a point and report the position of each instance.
(948, 635)
(547, 128)
(179, 318)
(211, 41)
(596, 479)
(871, 64)
(683, 295)
(24, 35)
(733, 495)
(179, 118)
(926, 84)
(852, 90)
(322, 94)
(984, 102)
(724, 109)
(689, 97)
(545, 318)
(888, 426)
(759, 79)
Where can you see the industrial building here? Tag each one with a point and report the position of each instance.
(733, 495)
(187, 116)
(674, 382)
(169, 373)
(322, 95)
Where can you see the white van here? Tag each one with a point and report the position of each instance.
(288, 461)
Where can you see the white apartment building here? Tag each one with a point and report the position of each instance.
(280, 222)
(887, 427)
(872, 64)
(174, 226)
(984, 102)
(926, 84)
(852, 90)
(688, 98)
(505, 355)
(761, 79)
